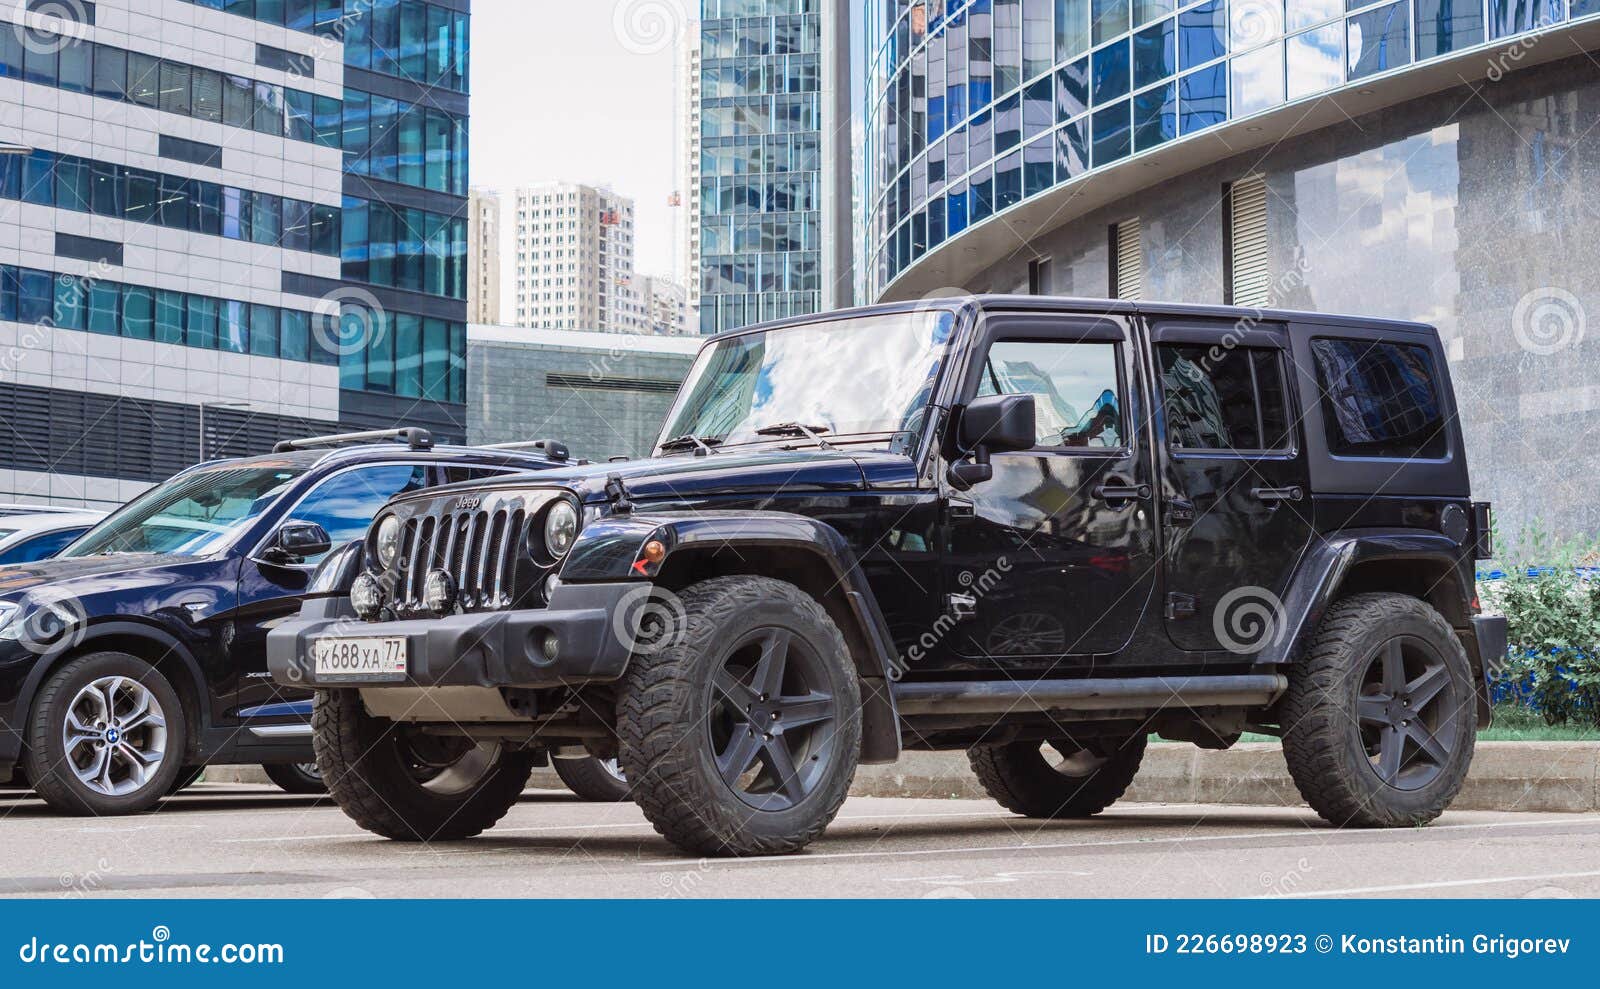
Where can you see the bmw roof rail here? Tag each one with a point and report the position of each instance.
(554, 449)
(414, 437)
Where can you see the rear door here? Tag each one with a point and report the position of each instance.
(1236, 511)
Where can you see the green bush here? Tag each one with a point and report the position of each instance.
(1552, 610)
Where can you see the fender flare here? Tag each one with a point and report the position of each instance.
(611, 549)
(104, 630)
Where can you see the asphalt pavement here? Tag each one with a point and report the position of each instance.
(231, 840)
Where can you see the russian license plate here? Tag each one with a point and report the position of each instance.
(344, 658)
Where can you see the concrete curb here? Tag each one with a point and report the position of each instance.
(1506, 776)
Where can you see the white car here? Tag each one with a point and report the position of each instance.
(38, 532)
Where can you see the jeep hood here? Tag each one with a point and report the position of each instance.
(732, 472)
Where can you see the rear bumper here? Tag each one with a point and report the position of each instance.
(496, 649)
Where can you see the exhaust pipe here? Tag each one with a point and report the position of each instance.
(1103, 694)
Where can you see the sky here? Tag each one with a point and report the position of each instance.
(580, 91)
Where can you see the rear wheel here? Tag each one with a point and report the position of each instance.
(296, 777)
(401, 782)
(594, 779)
(106, 736)
(1061, 778)
(1380, 720)
(741, 725)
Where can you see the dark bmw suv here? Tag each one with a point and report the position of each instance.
(138, 655)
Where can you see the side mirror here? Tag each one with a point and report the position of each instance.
(298, 540)
(991, 424)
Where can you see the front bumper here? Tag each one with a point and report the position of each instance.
(492, 649)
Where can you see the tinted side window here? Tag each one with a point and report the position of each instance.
(458, 473)
(1077, 398)
(1380, 399)
(39, 547)
(346, 503)
(1224, 399)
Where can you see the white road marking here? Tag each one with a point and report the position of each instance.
(644, 825)
(1441, 884)
(1281, 833)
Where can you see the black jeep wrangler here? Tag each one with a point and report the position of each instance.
(1035, 529)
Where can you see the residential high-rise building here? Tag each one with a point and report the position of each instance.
(248, 221)
(574, 259)
(483, 256)
(665, 305)
(769, 175)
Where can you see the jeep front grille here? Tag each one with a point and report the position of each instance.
(478, 549)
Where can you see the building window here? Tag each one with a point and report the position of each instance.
(1039, 276)
(1127, 260)
(1244, 248)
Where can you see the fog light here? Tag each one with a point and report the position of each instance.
(439, 592)
(366, 596)
(550, 646)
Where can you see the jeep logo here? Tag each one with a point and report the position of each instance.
(467, 503)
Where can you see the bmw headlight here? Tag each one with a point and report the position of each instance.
(388, 542)
(7, 629)
(560, 528)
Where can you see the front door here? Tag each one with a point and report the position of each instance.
(1051, 562)
(270, 593)
(1236, 506)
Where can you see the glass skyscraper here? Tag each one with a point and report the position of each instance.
(403, 130)
(764, 196)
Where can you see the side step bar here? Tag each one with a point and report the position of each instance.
(1104, 694)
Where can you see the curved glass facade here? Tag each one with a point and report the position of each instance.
(977, 105)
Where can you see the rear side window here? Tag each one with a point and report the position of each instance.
(1224, 398)
(1380, 399)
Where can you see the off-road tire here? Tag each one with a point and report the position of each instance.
(1021, 779)
(46, 761)
(1321, 744)
(662, 721)
(362, 761)
(589, 779)
(290, 778)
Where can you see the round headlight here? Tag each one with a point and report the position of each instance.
(388, 543)
(366, 596)
(439, 592)
(560, 528)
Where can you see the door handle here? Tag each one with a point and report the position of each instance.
(1121, 492)
(1290, 493)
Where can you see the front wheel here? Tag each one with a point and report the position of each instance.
(106, 736)
(404, 783)
(296, 777)
(597, 780)
(741, 724)
(1380, 720)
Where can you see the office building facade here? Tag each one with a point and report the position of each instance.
(769, 185)
(221, 224)
(1419, 159)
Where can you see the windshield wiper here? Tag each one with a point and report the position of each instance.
(797, 429)
(687, 441)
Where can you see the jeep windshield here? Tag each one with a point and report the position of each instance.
(194, 514)
(866, 380)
